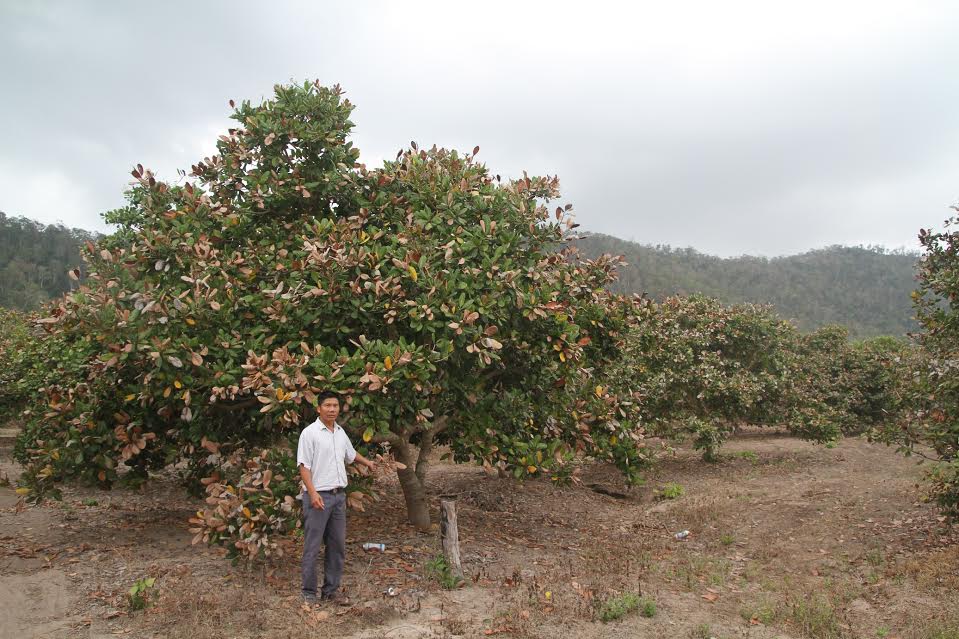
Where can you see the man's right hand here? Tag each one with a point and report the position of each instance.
(316, 501)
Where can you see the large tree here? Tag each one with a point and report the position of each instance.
(429, 291)
(929, 423)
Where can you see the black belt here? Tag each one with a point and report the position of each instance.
(333, 491)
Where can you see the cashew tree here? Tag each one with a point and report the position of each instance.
(435, 296)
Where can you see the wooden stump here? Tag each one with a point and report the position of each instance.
(449, 534)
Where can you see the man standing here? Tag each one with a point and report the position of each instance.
(322, 454)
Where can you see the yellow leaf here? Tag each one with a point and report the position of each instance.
(613, 440)
(413, 273)
(191, 321)
(599, 391)
(368, 435)
(55, 455)
(23, 491)
(562, 356)
(178, 384)
(167, 391)
(388, 363)
(129, 397)
(246, 512)
(531, 469)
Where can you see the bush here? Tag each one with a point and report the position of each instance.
(619, 606)
(697, 369)
(438, 569)
(672, 491)
(138, 596)
(928, 402)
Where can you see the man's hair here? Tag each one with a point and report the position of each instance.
(325, 395)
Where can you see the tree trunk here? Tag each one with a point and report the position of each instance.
(413, 477)
(414, 492)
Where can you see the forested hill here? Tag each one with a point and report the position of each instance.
(865, 289)
(34, 260)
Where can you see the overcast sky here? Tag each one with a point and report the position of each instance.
(733, 127)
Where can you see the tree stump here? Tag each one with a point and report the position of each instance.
(449, 534)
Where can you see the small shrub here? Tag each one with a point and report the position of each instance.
(440, 570)
(727, 540)
(764, 613)
(672, 491)
(749, 456)
(816, 617)
(90, 502)
(875, 558)
(138, 595)
(647, 608)
(702, 631)
(619, 606)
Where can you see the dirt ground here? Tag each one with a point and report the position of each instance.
(787, 539)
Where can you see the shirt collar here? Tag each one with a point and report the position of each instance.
(336, 426)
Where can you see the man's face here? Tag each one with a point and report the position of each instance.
(329, 409)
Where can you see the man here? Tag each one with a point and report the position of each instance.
(322, 454)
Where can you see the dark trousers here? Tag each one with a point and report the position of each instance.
(325, 526)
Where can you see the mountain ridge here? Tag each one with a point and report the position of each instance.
(865, 288)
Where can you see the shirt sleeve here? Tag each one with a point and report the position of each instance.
(304, 451)
(350, 451)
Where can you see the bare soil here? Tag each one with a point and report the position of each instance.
(787, 539)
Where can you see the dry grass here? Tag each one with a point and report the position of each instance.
(931, 572)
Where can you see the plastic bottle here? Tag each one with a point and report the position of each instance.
(682, 534)
(371, 546)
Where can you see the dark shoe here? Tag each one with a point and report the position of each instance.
(309, 599)
(339, 600)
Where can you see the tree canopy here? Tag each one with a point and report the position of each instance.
(429, 292)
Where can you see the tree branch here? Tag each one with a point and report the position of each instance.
(426, 447)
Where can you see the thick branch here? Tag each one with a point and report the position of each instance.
(401, 448)
(426, 446)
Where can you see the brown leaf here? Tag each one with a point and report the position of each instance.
(213, 447)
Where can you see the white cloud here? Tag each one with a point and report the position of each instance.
(711, 124)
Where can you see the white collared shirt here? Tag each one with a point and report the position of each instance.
(325, 454)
